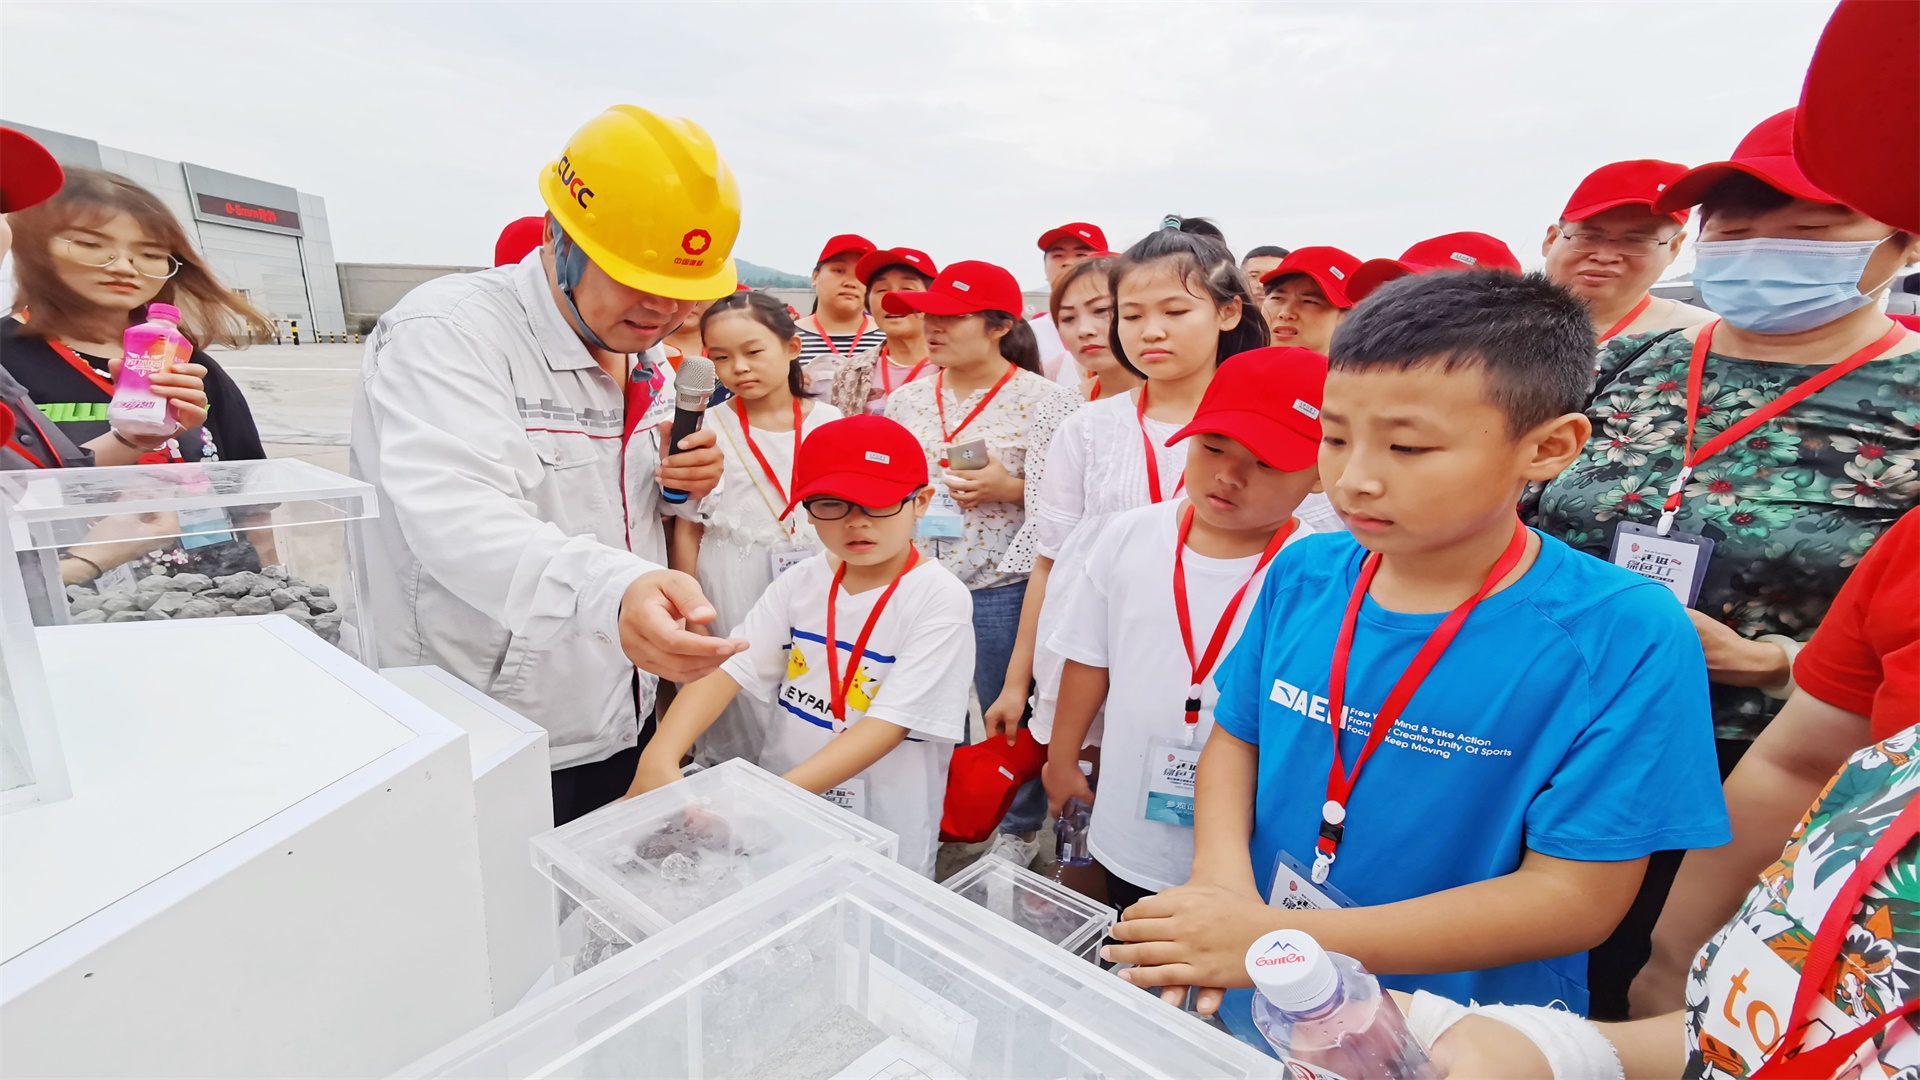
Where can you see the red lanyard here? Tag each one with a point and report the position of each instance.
(1339, 782)
(1153, 459)
(940, 403)
(1696, 368)
(1203, 665)
(837, 690)
(638, 398)
(1638, 310)
(1817, 972)
(12, 443)
(1093, 391)
(886, 372)
(77, 363)
(746, 429)
(828, 338)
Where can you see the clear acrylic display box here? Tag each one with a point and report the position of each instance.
(1036, 904)
(846, 966)
(32, 768)
(630, 870)
(209, 540)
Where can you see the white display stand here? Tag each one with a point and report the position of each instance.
(512, 803)
(267, 866)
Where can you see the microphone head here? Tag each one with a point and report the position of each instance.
(695, 374)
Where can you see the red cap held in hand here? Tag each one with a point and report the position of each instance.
(845, 244)
(963, 288)
(1454, 251)
(28, 174)
(1766, 154)
(1267, 400)
(519, 238)
(1329, 267)
(866, 460)
(872, 263)
(981, 782)
(1089, 235)
(1624, 183)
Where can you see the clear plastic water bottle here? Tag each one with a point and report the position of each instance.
(1070, 830)
(1326, 1016)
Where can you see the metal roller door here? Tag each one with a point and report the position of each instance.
(266, 265)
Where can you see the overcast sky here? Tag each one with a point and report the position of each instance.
(964, 129)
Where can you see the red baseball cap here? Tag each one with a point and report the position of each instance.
(1329, 267)
(981, 782)
(873, 262)
(1766, 154)
(866, 460)
(1453, 251)
(963, 288)
(1089, 235)
(844, 244)
(28, 174)
(1624, 183)
(1858, 130)
(1267, 400)
(518, 238)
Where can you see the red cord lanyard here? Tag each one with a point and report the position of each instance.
(1340, 782)
(638, 398)
(13, 443)
(1696, 367)
(837, 690)
(940, 403)
(1817, 974)
(1093, 394)
(78, 363)
(1638, 309)
(1203, 665)
(1153, 459)
(828, 338)
(886, 372)
(746, 429)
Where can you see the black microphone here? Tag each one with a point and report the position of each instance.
(692, 386)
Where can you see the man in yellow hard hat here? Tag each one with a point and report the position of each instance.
(510, 420)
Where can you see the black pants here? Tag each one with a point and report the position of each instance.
(579, 790)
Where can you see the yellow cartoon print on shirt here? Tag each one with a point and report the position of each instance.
(860, 695)
(796, 663)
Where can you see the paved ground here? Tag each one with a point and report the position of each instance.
(301, 396)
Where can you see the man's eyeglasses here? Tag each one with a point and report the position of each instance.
(1631, 247)
(835, 509)
(157, 265)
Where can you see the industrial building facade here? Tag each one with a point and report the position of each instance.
(265, 240)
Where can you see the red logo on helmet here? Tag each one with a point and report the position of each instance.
(696, 241)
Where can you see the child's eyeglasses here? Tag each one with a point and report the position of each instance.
(835, 509)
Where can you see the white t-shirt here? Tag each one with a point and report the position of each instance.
(917, 671)
(1121, 617)
(1055, 360)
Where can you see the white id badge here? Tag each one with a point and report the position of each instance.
(943, 520)
(849, 795)
(1677, 560)
(1171, 765)
(1294, 890)
(783, 559)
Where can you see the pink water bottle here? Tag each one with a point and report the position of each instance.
(1326, 1016)
(153, 346)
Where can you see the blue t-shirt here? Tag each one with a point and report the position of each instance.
(1570, 716)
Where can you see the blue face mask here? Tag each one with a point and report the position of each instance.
(1773, 286)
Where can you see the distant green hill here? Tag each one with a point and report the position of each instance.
(766, 277)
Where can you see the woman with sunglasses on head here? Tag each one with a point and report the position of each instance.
(87, 262)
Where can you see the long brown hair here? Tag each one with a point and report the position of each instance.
(210, 313)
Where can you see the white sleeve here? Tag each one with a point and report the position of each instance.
(1081, 632)
(455, 464)
(926, 690)
(768, 632)
(1062, 497)
(1053, 411)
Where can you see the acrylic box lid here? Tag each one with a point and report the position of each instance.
(856, 966)
(1034, 903)
(654, 860)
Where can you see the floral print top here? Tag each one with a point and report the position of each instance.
(1740, 990)
(1791, 508)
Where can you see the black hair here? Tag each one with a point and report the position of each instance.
(926, 279)
(764, 309)
(1531, 338)
(1265, 251)
(1742, 194)
(1194, 226)
(1207, 267)
(1018, 346)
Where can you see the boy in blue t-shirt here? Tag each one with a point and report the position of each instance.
(1501, 827)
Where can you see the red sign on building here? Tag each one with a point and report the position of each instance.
(214, 206)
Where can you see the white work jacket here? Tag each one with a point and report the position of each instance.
(505, 540)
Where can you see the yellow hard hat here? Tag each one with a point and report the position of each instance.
(648, 199)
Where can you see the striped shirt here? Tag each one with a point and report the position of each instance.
(813, 345)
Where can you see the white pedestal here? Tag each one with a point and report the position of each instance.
(267, 867)
(513, 803)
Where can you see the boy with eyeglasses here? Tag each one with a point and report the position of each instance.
(1610, 246)
(867, 648)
